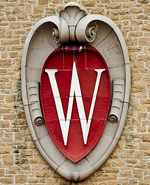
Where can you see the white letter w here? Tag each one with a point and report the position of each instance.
(74, 91)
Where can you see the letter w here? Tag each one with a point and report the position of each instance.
(74, 91)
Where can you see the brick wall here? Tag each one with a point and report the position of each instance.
(20, 162)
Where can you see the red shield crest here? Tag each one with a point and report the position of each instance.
(73, 96)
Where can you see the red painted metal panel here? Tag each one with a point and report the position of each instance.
(87, 59)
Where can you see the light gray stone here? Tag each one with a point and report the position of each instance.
(104, 30)
(128, 83)
(23, 86)
(75, 176)
(41, 131)
(51, 150)
(123, 45)
(117, 72)
(41, 39)
(110, 49)
(79, 166)
(45, 156)
(117, 100)
(33, 74)
(67, 174)
(84, 174)
(110, 129)
(100, 149)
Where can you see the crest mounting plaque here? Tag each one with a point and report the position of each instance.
(75, 86)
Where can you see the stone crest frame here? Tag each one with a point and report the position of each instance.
(74, 25)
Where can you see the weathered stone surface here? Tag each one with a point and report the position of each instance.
(89, 3)
(5, 150)
(8, 160)
(20, 179)
(41, 2)
(7, 180)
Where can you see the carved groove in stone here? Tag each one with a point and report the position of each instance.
(117, 101)
(34, 103)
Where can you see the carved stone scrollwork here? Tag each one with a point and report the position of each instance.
(86, 30)
(34, 103)
(117, 101)
(91, 32)
(72, 14)
(60, 32)
(70, 18)
(55, 34)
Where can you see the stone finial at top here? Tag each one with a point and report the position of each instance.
(72, 13)
(70, 16)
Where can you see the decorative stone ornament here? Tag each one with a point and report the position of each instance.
(75, 87)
